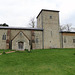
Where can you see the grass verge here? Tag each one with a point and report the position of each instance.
(39, 62)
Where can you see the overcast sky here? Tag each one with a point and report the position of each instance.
(19, 12)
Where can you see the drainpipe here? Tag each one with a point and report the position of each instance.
(62, 39)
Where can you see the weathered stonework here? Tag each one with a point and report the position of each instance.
(13, 37)
(51, 28)
(46, 35)
(68, 39)
(38, 40)
(2, 42)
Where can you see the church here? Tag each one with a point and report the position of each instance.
(47, 34)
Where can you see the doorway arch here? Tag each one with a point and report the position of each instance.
(20, 45)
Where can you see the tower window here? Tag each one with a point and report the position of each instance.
(50, 17)
(51, 33)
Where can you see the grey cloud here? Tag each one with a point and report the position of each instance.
(17, 12)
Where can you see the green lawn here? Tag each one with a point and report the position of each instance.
(1, 51)
(39, 62)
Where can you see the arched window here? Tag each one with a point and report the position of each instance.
(4, 37)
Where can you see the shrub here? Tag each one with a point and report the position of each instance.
(19, 51)
(3, 52)
(74, 53)
(27, 50)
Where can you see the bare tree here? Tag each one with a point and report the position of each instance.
(73, 28)
(62, 27)
(66, 27)
(32, 22)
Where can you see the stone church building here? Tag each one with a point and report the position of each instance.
(46, 35)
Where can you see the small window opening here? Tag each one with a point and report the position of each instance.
(73, 40)
(36, 40)
(50, 17)
(20, 33)
(51, 33)
(64, 39)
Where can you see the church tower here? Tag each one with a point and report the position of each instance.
(48, 20)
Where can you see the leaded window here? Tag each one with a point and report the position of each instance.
(4, 37)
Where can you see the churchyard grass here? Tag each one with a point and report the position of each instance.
(39, 62)
(6, 50)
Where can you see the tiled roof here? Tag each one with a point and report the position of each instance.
(67, 32)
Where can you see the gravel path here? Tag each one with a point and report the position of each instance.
(8, 52)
